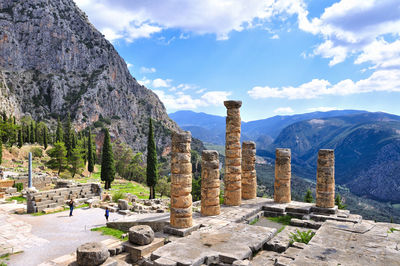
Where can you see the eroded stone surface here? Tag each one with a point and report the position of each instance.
(181, 181)
(91, 254)
(282, 176)
(210, 183)
(249, 175)
(141, 234)
(233, 156)
(224, 245)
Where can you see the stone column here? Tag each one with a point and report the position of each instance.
(233, 155)
(210, 183)
(30, 170)
(249, 176)
(181, 181)
(326, 179)
(282, 176)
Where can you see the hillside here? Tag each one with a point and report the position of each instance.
(211, 128)
(367, 151)
(52, 60)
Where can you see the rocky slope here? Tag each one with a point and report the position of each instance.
(52, 60)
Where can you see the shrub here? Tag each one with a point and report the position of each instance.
(19, 186)
(37, 152)
(117, 196)
(302, 237)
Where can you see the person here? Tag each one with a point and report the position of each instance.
(107, 213)
(71, 206)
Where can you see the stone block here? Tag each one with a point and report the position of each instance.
(92, 253)
(137, 252)
(141, 235)
(123, 204)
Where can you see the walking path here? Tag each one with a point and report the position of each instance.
(59, 234)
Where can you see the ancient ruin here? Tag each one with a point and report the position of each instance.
(249, 175)
(210, 183)
(282, 176)
(181, 181)
(233, 155)
(326, 179)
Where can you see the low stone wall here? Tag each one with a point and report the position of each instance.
(6, 183)
(38, 181)
(37, 202)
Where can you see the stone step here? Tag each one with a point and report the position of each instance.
(44, 203)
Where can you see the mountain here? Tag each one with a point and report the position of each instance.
(211, 128)
(367, 151)
(53, 61)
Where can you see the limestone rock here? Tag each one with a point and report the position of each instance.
(123, 204)
(91, 254)
(141, 235)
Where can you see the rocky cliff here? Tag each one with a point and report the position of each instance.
(52, 60)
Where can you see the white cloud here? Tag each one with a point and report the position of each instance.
(381, 80)
(283, 110)
(161, 83)
(185, 87)
(183, 101)
(138, 19)
(129, 65)
(148, 70)
(322, 109)
(275, 37)
(145, 81)
(350, 27)
(381, 53)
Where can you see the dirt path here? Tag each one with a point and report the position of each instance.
(64, 234)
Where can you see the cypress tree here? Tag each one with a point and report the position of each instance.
(59, 132)
(32, 135)
(308, 197)
(36, 133)
(1, 150)
(45, 137)
(68, 137)
(151, 170)
(107, 161)
(20, 142)
(90, 156)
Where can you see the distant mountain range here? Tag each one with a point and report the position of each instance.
(367, 145)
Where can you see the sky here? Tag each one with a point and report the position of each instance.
(279, 57)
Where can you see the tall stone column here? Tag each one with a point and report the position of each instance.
(326, 179)
(282, 176)
(233, 154)
(210, 183)
(181, 181)
(249, 176)
(30, 170)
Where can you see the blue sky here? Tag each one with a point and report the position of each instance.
(278, 57)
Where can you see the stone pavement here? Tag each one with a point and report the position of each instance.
(15, 235)
(60, 234)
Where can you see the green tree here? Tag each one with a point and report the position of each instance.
(20, 142)
(45, 137)
(90, 156)
(32, 133)
(196, 189)
(59, 132)
(67, 136)
(163, 186)
(137, 169)
(339, 202)
(1, 150)
(76, 161)
(151, 170)
(308, 197)
(107, 161)
(58, 156)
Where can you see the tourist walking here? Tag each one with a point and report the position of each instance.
(107, 213)
(71, 206)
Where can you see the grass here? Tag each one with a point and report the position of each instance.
(301, 236)
(19, 199)
(131, 187)
(254, 221)
(281, 229)
(391, 230)
(110, 232)
(285, 220)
